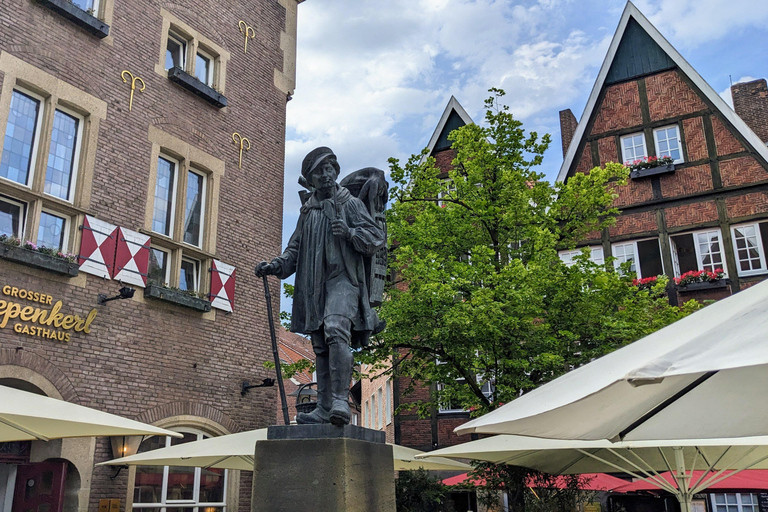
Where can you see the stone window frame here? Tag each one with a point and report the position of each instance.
(53, 94)
(190, 159)
(195, 40)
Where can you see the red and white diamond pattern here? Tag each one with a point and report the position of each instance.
(131, 257)
(97, 247)
(222, 286)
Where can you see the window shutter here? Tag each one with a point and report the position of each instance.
(97, 247)
(131, 257)
(222, 294)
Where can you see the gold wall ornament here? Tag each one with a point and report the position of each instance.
(134, 79)
(242, 141)
(248, 31)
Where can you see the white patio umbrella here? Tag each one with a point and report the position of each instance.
(236, 451)
(705, 376)
(646, 460)
(26, 416)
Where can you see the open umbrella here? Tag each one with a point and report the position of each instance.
(592, 482)
(26, 416)
(694, 464)
(700, 377)
(235, 451)
(751, 479)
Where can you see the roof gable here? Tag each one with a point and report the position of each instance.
(630, 59)
(454, 116)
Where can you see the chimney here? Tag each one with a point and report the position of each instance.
(568, 126)
(750, 101)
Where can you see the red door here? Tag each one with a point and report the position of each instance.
(40, 487)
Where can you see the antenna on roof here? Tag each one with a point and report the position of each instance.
(731, 80)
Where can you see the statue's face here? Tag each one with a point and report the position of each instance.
(324, 176)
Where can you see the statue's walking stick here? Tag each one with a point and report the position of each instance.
(278, 369)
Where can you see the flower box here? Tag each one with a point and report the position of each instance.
(652, 171)
(178, 297)
(86, 21)
(38, 260)
(195, 86)
(707, 285)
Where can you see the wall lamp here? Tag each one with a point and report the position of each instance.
(265, 383)
(124, 446)
(124, 293)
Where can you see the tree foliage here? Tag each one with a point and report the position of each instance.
(482, 295)
(417, 491)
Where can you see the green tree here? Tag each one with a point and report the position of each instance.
(416, 491)
(482, 295)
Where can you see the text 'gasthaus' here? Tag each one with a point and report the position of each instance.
(43, 322)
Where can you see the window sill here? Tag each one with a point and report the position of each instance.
(76, 15)
(195, 86)
(177, 297)
(723, 283)
(653, 171)
(38, 260)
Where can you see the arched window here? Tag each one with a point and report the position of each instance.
(178, 489)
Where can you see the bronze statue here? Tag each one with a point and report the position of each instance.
(338, 252)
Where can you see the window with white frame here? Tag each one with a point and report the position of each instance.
(178, 488)
(89, 6)
(175, 52)
(595, 255)
(667, 141)
(48, 174)
(380, 418)
(633, 147)
(644, 257)
(749, 247)
(204, 67)
(388, 403)
(734, 502)
(179, 214)
(368, 421)
(374, 420)
(700, 250)
(446, 403)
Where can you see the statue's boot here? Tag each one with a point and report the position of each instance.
(341, 360)
(321, 414)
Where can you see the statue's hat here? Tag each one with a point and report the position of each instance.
(315, 158)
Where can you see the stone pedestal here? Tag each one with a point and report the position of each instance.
(318, 468)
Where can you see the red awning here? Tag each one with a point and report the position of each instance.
(596, 481)
(751, 479)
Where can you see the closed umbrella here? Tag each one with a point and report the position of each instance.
(236, 451)
(700, 377)
(26, 416)
(694, 464)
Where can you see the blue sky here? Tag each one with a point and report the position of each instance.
(373, 76)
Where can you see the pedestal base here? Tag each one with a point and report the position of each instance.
(318, 468)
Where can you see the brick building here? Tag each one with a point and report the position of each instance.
(706, 210)
(147, 138)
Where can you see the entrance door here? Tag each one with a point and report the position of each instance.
(40, 487)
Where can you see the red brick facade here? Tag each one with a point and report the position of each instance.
(670, 96)
(146, 359)
(620, 109)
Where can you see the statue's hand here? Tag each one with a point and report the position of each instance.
(340, 228)
(266, 269)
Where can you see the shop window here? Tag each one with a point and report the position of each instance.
(47, 155)
(633, 148)
(667, 141)
(178, 488)
(749, 247)
(700, 250)
(642, 256)
(595, 255)
(734, 502)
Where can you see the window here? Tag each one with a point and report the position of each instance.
(175, 52)
(749, 247)
(734, 502)
(644, 257)
(667, 141)
(368, 414)
(373, 411)
(46, 154)
(89, 6)
(595, 255)
(204, 68)
(178, 488)
(183, 187)
(185, 47)
(447, 404)
(380, 418)
(389, 404)
(701, 250)
(633, 147)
